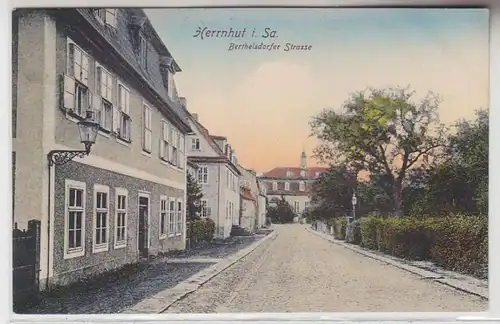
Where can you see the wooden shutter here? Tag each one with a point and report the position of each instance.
(85, 69)
(68, 85)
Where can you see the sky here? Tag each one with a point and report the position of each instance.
(262, 100)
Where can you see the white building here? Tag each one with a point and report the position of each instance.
(125, 200)
(261, 204)
(217, 175)
(249, 192)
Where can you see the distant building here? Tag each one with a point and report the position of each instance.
(292, 183)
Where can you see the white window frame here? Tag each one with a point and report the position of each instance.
(296, 206)
(302, 186)
(122, 243)
(71, 82)
(204, 208)
(275, 186)
(204, 175)
(180, 150)
(106, 16)
(123, 110)
(143, 50)
(195, 144)
(302, 173)
(178, 216)
(165, 141)
(171, 216)
(75, 252)
(306, 204)
(106, 98)
(289, 174)
(96, 248)
(318, 174)
(147, 128)
(287, 186)
(163, 231)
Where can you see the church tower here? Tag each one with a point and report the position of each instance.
(303, 160)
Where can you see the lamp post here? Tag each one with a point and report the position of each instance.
(354, 201)
(88, 129)
(88, 132)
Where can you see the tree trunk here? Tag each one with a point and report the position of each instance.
(398, 200)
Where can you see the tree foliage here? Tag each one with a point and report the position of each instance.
(194, 195)
(382, 131)
(281, 213)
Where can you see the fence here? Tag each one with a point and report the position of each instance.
(25, 264)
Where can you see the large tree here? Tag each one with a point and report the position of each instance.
(381, 131)
(332, 193)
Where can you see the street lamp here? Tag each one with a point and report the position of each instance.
(354, 200)
(88, 129)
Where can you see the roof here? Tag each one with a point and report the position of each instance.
(281, 172)
(121, 42)
(246, 194)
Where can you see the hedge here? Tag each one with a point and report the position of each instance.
(202, 230)
(458, 243)
(339, 228)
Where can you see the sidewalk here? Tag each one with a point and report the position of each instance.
(425, 269)
(148, 279)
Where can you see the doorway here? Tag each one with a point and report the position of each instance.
(143, 239)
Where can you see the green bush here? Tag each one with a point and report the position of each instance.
(202, 230)
(356, 235)
(458, 243)
(339, 228)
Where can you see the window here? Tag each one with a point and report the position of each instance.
(195, 144)
(121, 217)
(175, 148)
(203, 174)
(76, 98)
(306, 204)
(104, 84)
(204, 208)
(75, 219)
(318, 174)
(181, 150)
(163, 216)
(106, 16)
(302, 173)
(178, 229)
(289, 174)
(124, 126)
(287, 186)
(143, 51)
(275, 186)
(170, 85)
(165, 141)
(296, 206)
(101, 218)
(172, 145)
(146, 128)
(171, 216)
(302, 186)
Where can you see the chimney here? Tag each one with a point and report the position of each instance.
(195, 116)
(183, 102)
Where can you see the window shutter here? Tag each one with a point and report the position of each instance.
(99, 81)
(116, 118)
(85, 69)
(127, 102)
(68, 100)
(111, 17)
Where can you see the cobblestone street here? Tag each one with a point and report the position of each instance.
(298, 271)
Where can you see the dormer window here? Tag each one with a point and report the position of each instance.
(289, 174)
(302, 173)
(106, 16)
(143, 51)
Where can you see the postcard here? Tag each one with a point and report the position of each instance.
(249, 160)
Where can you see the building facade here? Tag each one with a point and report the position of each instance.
(249, 193)
(294, 184)
(261, 204)
(217, 175)
(124, 201)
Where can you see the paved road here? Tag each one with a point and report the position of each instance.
(301, 272)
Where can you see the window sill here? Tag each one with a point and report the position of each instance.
(123, 141)
(146, 153)
(176, 168)
(178, 234)
(163, 236)
(171, 235)
(100, 248)
(120, 246)
(74, 254)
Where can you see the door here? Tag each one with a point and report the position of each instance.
(143, 226)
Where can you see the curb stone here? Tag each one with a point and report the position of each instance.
(164, 299)
(467, 287)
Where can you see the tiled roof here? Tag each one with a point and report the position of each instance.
(122, 43)
(281, 172)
